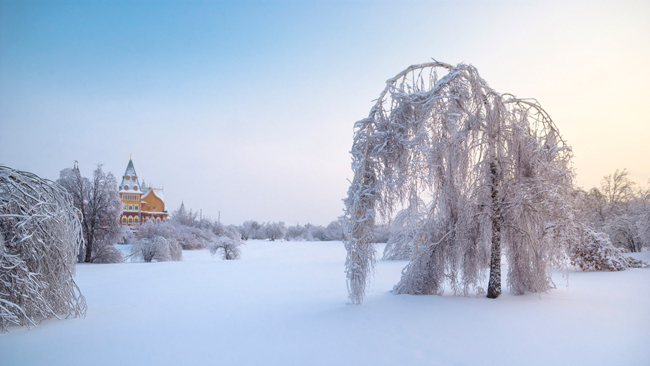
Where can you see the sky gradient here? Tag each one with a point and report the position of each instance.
(247, 108)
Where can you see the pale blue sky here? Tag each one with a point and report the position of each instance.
(247, 107)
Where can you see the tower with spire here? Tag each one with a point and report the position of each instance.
(140, 203)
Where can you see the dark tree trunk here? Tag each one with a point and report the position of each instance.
(89, 250)
(494, 285)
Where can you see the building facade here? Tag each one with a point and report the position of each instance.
(141, 203)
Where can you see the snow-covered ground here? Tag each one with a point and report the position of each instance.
(284, 303)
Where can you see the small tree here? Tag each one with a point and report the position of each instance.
(100, 204)
(228, 246)
(249, 229)
(40, 235)
(275, 230)
(335, 230)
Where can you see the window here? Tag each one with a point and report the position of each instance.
(124, 220)
(136, 219)
(126, 187)
(157, 218)
(130, 220)
(135, 188)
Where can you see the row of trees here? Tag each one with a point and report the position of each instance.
(619, 208)
(278, 230)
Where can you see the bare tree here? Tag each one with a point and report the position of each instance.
(618, 188)
(100, 204)
(495, 167)
(40, 235)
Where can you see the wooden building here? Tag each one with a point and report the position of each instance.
(141, 203)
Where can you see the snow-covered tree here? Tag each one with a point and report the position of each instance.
(618, 209)
(334, 230)
(496, 170)
(249, 229)
(274, 230)
(183, 217)
(101, 207)
(228, 246)
(40, 236)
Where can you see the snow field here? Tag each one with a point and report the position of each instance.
(284, 303)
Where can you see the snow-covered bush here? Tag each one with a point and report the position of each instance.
(595, 252)
(228, 246)
(191, 238)
(157, 249)
(157, 241)
(40, 236)
(188, 237)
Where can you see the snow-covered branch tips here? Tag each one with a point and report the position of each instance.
(476, 171)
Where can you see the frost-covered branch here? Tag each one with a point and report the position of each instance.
(40, 235)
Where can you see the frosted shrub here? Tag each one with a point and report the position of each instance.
(157, 249)
(227, 246)
(40, 236)
(191, 238)
(595, 252)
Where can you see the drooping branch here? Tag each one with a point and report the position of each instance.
(480, 156)
(40, 235)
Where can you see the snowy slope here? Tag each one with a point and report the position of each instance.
(285, 304)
